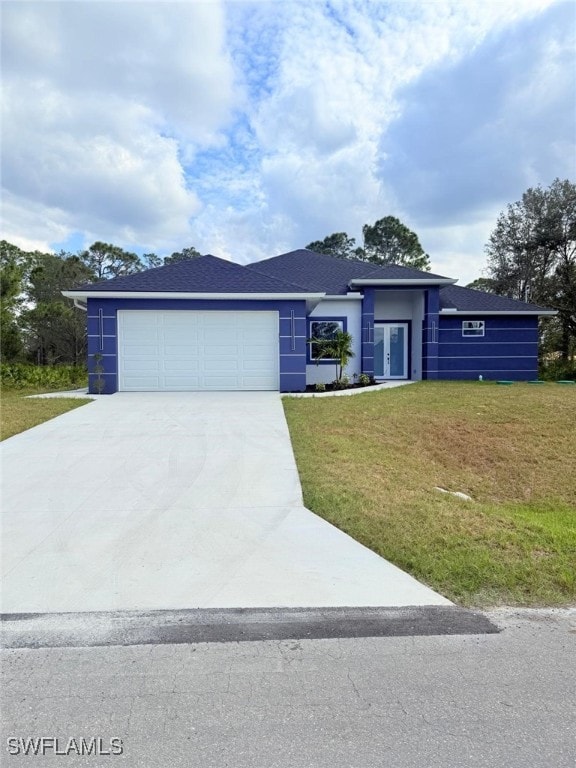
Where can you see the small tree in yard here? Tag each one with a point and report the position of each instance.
(338, 348)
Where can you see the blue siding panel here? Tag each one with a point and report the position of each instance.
(292, 364)
(286, 326)
(508, 349)
(108, 325)
(292, 382)
(480, 365)
(286, 345)
(489, 349)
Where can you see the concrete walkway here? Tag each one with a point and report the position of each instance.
(143, 501)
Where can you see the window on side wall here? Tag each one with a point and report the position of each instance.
(472, 327)
(324, 330)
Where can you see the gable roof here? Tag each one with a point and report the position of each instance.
(321, 272)
(460, 299)
(205, 274)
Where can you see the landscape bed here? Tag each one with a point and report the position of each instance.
(371, 465)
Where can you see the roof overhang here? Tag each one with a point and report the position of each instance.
(356, 296)
(84, 295)
(525, 313)
(414, 283)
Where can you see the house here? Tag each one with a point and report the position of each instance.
(210, 324)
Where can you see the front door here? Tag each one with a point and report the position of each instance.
(391, 350)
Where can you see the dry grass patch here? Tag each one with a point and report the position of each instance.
(369, 464)
(17, 413)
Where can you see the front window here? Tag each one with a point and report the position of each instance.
(473, 328)
(323, 330)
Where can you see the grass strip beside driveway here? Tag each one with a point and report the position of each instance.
(369, 464)
(17, 413)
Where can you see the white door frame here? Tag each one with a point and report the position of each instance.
(386, 327)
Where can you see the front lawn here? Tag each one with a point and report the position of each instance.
(369, 465)
(18, 413)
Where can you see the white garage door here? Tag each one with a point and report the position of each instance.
(193, 350)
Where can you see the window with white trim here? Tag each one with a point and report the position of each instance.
(323, 330)
(472, 327)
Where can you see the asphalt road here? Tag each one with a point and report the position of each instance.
(505, 699)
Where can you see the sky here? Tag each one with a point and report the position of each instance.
(250, 129)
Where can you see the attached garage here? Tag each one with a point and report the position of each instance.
(191, 350)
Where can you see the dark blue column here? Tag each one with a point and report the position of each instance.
(430, 333)
(102, 347)
(368, 331)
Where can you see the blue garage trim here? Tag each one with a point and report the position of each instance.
(508, 349)
(321, 319)
(291, 322)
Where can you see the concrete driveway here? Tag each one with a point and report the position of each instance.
(144, 501)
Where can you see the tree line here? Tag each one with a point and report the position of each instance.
(37, 323)
(531, 255)
(387, 241)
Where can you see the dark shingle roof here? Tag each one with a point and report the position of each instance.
(205, 274)
(321, 272)
(470, 300)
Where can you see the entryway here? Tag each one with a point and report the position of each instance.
(391, 350)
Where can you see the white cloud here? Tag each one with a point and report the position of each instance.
(100, 101)
(330, 93)
(249, 129)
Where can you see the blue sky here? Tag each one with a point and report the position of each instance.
(249, 129)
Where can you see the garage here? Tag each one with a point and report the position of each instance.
(192, 350)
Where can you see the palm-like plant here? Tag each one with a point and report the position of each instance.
(338, 348)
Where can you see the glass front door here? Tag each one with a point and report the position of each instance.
(391, 350)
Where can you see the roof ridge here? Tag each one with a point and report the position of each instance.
(265, 274)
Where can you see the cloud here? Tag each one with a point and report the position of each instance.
(247, 129)
(101, 100)
(474, 135)
(329, 92)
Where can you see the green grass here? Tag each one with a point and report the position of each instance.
(17, 413)
(369, 465)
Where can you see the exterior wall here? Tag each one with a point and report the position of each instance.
(404, 305)
(351, 313)
(103, 335)
(508, 350)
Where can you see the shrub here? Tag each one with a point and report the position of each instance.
(320, 387)
(558, 369)
(364, 380)
(26, 375)
(338, 348)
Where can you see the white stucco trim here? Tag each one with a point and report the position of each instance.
(344, 297)
(503, 313)
(399, 283)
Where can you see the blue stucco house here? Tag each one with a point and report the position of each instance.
(210, 324)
